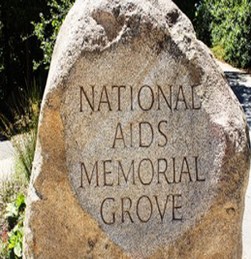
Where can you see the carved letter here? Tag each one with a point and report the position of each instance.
(137, 209)
(160, 91)
(185, 170)
(126, 177)
(91, 103)
(175, 207)
(106, 172)
(119, 94)
(163, 171)
(152, 171)
(118, 135)
(162, 133)
(174, 170)
(145, 98)
(181, 98)
(127, 210)
(198, 179)
(144, 143)
(89, 178)
(193, 99)
(131, 93)
(102, 213)
(106, 100)
(162, 214)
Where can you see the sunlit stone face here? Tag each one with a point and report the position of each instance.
(142, 148)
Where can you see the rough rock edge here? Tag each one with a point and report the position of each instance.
(70, 50)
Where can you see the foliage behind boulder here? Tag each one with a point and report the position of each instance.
(226, 23)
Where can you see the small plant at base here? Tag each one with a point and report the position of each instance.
(24, 146)
(25, 123)
(9, 191)
(12, 237)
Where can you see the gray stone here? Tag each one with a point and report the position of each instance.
(142, 149)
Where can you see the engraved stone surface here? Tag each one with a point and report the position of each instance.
(142, 149)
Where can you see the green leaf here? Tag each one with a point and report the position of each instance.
(20, 201)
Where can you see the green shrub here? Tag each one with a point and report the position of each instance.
(228, 24)
(231, 29)
(47, 28)
(219, 52)
(202, 22)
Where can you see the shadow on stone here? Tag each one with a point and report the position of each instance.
(242, 92)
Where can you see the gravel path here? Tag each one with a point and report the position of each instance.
(6, 160)
(240, 82)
